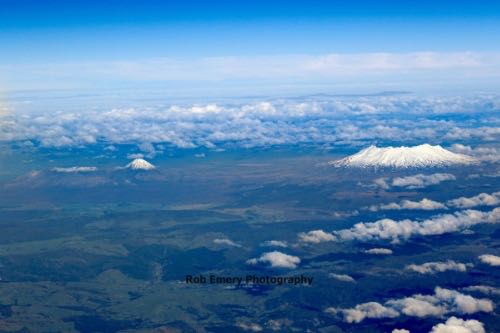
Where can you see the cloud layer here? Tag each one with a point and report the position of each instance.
(321, 120)
(338, 66)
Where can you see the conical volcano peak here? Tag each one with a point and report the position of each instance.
(140, 164)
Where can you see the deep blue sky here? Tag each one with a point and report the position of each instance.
(55, 33)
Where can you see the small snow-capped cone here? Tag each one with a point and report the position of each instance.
(404, 157)
(140, 164)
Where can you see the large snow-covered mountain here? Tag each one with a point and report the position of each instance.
(140, 164)
(404, 157)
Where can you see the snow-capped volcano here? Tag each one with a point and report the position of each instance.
(140, 164)
(404, 157)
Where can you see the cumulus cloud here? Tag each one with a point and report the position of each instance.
(490, 259)
(418, 306)
(442, 302)
(457, 325)
(424, 204)
(438, 267)
(276, 259)
(482, 199)
(421, 180)
(226, 241)
(400, 330)
(379, 250)
(341, 277)
(363, 311)
(486, 154)
(75, 169)
(463, 304)
(488, 290)
(276, 243)
(395, 231)
(316, 236)
(382, 183)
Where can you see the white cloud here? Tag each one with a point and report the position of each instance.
(442, 302)
(226, 241)
(457, 325)
(148, 148)
(418, 306)
(134, 156)
(382, 183)
(77, 169)
(490, 259)
(316, 236)
(461, 303)
(438, 267)
(389, 206)
(341, 277)
(275, 243)
(421, 180)
(486, 154)
(363, 311)
(395, 231)
(400, 330)
(279, 324)
(488, 290)
(346, 214)
(251, 327)
(482, 199)
(424, 204)
(276, 259)
(379, 250)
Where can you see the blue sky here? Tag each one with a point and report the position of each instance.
(83, 44)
